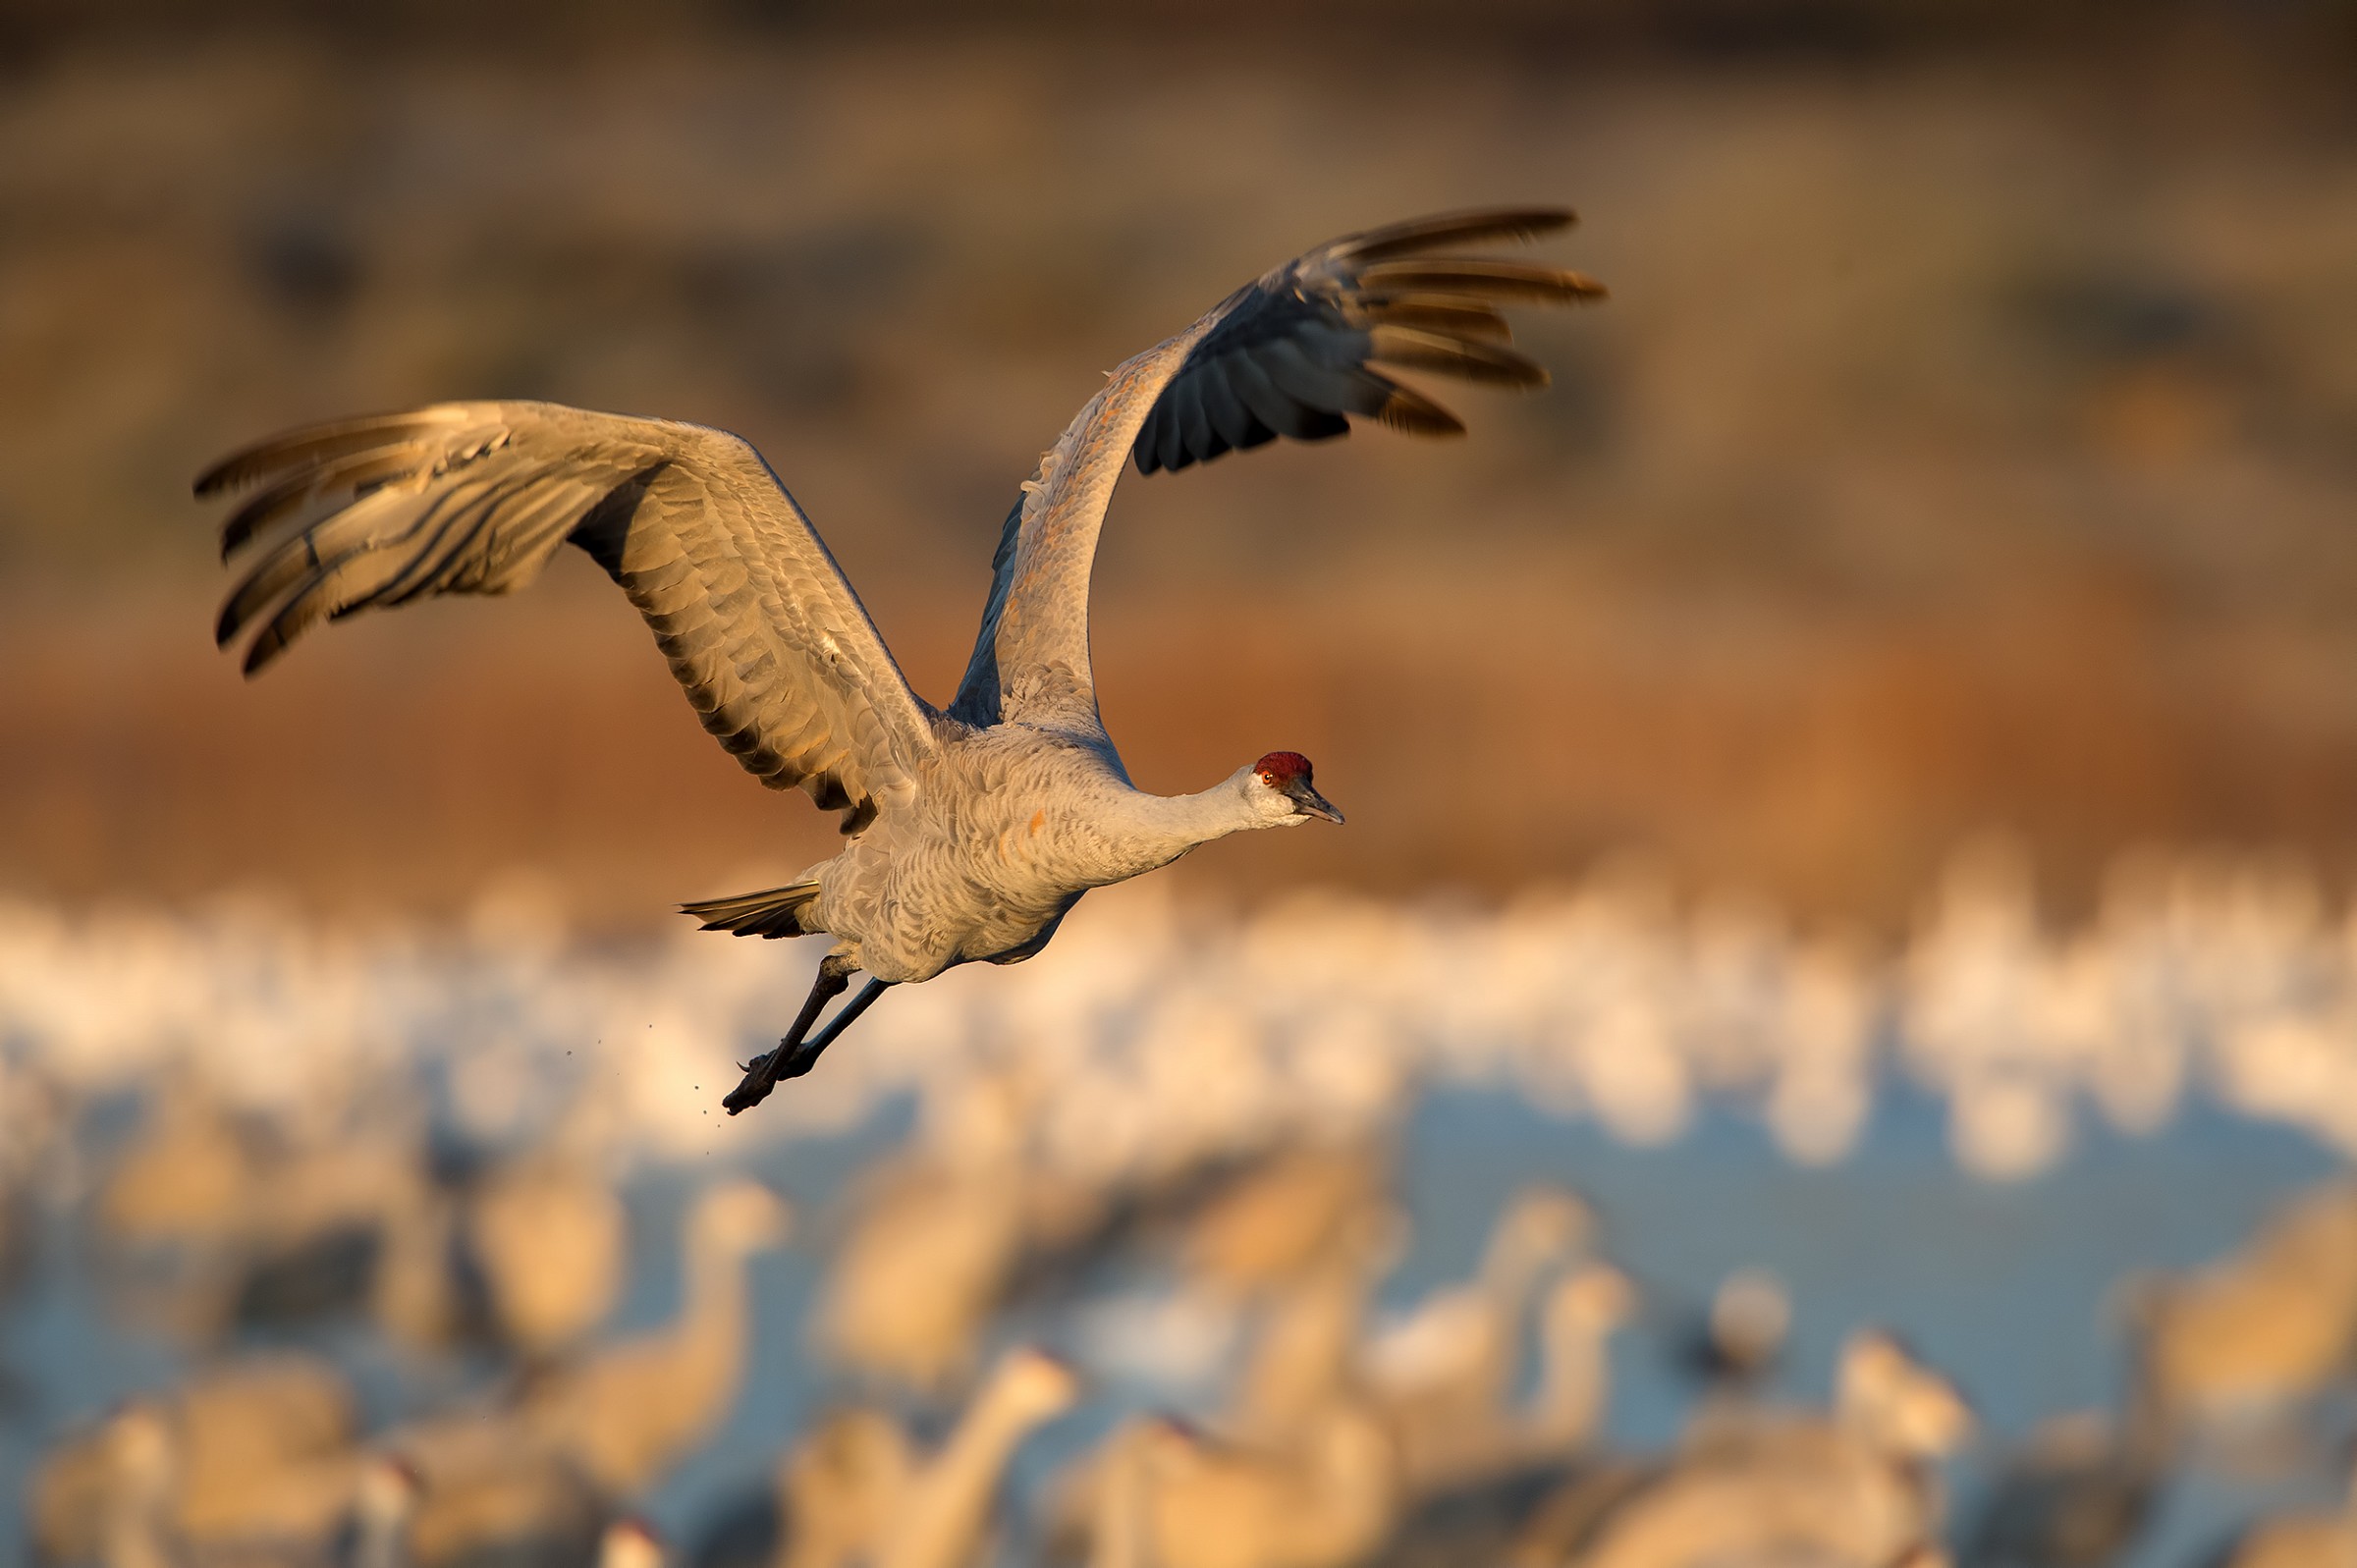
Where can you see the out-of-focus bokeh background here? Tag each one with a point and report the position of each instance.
(1849, 796)
(1967, 442)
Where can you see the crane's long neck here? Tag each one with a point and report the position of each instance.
(704, 1347)
(1304, 1356)
(142, 1468)
(1145, 831)
(1574, 1384)
(947, 1506)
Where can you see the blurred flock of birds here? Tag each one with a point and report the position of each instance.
(317, 1165)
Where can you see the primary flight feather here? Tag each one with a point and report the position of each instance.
(972, 830)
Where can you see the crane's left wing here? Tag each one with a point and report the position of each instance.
(1297, 353)
(771, 645)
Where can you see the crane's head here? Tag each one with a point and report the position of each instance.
(1280, 791)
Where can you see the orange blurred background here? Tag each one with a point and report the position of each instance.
(1969, 441)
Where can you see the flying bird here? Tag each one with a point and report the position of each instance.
(972, 830)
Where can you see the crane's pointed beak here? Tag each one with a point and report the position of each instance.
(1309, 803)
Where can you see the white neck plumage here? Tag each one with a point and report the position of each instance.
(1158, 829)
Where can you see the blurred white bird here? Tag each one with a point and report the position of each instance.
(246, 1456)
(1849, 1489)
(2233, 1349)
(856, 1492)
(629, 1412)
(1445, 1375)
(1183, 1499)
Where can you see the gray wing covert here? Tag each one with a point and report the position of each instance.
(774, 650)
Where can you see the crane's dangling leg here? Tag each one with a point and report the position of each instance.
(807, 1057)
(761, 1073)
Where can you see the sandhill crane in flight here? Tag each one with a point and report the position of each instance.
(972, 829)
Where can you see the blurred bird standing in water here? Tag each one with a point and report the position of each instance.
(975, 828)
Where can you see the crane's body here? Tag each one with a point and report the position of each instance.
(1005, 834)
(972, 830)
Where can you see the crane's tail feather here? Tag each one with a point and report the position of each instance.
(772, 912)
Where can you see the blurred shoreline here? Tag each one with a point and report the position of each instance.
(1829, 765)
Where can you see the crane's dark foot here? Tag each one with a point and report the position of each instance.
(755, 1087)
(761, 1074)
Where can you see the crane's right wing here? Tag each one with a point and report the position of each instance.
(1294, 352)
(774, 650)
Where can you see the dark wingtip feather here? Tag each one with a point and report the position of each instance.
(292, 447)
(233, 469)
(260, 654)
(1410, 413)
(351, 474)
(1457, 317)
(294, 617)
(249, 464)
(248, 520)
(1474, 226)
(269, 579)
(1483, 278)
(1472, 358)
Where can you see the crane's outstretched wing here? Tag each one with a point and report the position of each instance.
(1293, 353)
(775, 652)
